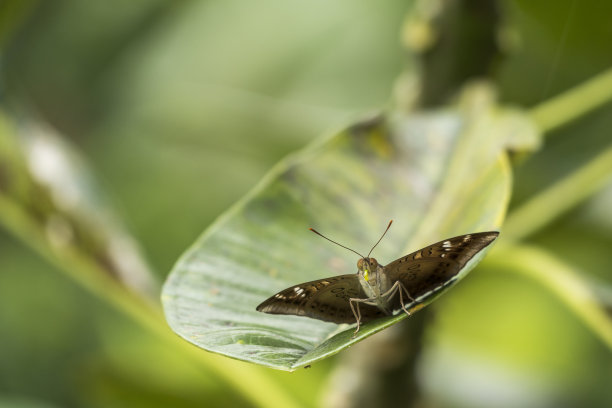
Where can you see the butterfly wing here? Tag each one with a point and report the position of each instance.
(323, 299)
(436, 265)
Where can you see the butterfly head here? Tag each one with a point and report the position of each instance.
(366, 267)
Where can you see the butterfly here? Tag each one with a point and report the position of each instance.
(376, 290)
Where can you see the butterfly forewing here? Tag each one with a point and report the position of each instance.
(436, 265)
(420, 274)
(323, 299)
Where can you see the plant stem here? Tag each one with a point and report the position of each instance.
(573, 103)
(559, 198)
(560, 278)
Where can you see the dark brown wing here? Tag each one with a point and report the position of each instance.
(432, 267)
(323, 299)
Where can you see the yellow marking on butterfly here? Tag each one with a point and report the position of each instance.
(366, 276)
(417, 307)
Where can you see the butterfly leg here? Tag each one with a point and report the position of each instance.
(397, 286)
(401, 290)
(357, 314)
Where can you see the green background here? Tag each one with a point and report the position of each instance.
(179, 108)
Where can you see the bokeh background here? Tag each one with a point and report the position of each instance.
(179, 108)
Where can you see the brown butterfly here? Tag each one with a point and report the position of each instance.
(375, 290)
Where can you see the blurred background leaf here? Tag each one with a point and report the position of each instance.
(160, 97)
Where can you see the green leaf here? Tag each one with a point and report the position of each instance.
(437, 174)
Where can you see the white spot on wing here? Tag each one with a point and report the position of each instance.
(446, 244)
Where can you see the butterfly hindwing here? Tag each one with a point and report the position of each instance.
(324, 299)
(436, 265)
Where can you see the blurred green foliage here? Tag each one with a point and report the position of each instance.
(180, 107)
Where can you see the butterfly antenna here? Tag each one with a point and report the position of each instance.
(381, 237)
(331, 240)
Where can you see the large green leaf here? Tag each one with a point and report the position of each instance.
(437, 174)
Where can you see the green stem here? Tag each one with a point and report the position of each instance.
(560, 278)
(559, 198)
(574, 102)
(260, 389)
(572, 190)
